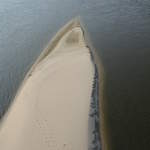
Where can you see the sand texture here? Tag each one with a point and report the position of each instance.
(51, 110)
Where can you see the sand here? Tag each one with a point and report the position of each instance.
(52, 107)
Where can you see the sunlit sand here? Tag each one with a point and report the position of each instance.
(51, 110)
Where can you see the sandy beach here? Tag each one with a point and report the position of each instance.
(51, 110)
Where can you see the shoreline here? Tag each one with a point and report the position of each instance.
(51, 46)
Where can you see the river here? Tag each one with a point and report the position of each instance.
(119, 30)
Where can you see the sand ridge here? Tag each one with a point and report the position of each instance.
(51, 111)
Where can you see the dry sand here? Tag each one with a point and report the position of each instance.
(51, 109)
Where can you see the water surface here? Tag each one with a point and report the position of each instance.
(120, 31)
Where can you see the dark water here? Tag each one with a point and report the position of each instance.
(120, 31)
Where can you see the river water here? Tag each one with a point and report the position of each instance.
(120, 31)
